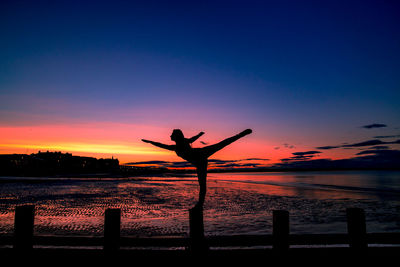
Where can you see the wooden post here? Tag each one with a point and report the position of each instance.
(280, 230)
(112, 229)
(196, 228)
(23, 227)
(356, 228)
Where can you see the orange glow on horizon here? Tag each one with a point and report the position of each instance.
(95, 139)
(123, 141)
(85, 147)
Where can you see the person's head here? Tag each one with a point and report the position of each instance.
(177, 135)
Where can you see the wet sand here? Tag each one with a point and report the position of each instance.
(235, 204)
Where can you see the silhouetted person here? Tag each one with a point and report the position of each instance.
(197, 156)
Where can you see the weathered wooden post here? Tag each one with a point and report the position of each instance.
(356, 228)
(280, 230)
(112, 229)
(23, 227)
(196, 227)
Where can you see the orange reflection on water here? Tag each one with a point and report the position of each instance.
(235, 203)
(309, 185)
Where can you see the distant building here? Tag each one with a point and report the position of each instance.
(54, 163)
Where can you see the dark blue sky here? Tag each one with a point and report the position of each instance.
(292, 67)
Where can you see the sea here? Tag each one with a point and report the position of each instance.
(236, 203)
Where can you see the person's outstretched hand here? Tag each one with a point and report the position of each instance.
(146, 141)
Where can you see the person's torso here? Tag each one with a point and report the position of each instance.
(192, 155)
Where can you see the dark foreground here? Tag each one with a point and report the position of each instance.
(307, 256)
(357, 247)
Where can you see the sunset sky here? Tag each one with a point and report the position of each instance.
(94, 77)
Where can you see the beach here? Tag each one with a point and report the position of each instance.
(236, 203)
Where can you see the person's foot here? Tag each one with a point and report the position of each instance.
(246, 132)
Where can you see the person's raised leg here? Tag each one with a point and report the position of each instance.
(209, 150)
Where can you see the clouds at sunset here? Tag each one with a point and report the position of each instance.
(374, 125)
(213, 164)
(372, 142)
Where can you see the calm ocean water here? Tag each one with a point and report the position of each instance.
(236, 203)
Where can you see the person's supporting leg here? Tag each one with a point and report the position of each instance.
(202, 178)
(209, 150)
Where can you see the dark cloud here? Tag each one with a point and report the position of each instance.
(306, 153)
(387, 136)
(327, 147)
(374, 125)
(366, 143)
(255, 159)
(381, 152)
(219, 161)
(161, 164)
(299, 156)
(288, 146)
(373, 142)
(238, 165)
(213, 163)
(380, 147)
(179, 164)
(367, 159)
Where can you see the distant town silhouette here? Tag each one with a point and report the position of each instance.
(54, 163)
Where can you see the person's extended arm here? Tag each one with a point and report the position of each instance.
(169, 147)
(194, 138)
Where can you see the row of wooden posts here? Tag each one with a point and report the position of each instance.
(24, 225)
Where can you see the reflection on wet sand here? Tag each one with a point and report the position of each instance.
(236, 204)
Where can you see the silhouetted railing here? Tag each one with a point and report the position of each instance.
(280, 240)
